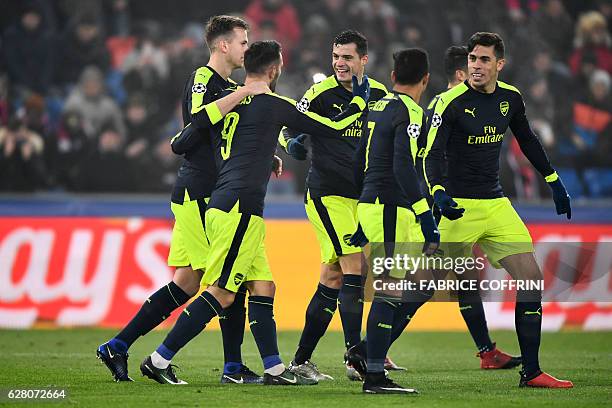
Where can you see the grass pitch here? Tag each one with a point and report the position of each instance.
(441, 366)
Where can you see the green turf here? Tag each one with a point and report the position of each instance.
(441, 366)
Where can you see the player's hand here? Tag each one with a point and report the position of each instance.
(361, 89)
(277, 166)
(429, 228)
(561, 198)
(296, 148)
(358, 239)
(448, 206)
(257, 88)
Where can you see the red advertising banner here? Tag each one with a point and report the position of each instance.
(78, 271)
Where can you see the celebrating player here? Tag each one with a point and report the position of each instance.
(244, 146)
(331, 204)
(467, 130)
(391, 202)
(226, 36)
(470, 303)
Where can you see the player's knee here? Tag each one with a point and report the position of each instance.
(522, 267)
(331, 276)
(223, 296)
(351, 264)
(261, 288)
(188, 280)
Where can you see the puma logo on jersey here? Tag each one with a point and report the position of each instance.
(339, 107)
(471, 111)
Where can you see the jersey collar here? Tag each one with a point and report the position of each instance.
(467, 83)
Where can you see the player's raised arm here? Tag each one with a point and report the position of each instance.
(292, 115)
(212, 113)
(532, 149)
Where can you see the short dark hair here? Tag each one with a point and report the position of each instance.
(410, 66)
(487, 40)
(455, 58)
(353, 37)
(260, 55)
(222, 25)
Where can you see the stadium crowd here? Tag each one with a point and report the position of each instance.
(90, 90)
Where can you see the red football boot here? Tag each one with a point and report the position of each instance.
(391, 366)
(543, 380)
(496, 358)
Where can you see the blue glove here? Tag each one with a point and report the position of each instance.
(447, 206)
(296, 148)
(358, 239)
(430, 232)
(561, 198)
(363, 89)
(437, 214)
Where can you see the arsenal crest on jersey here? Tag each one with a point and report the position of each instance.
(504, 107)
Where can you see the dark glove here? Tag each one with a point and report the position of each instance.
(363, 89)
(358, 239)
(296, 148)
(448, 206)
(561, 198)
(430, 232)
(437, 214)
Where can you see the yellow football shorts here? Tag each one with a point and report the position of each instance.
(394, 226)
(237, 251)
(334, 219)
(189, 245)
(491, 223)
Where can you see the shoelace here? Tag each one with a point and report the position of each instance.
(170, 372)
(246, 370)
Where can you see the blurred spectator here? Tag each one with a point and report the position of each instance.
(520, 10)
(141, 132)
(552, 14)
(541, 110)
(82, 46)
(315, 50)
(28, 52)
(104, 168)
(557, 101)
(592, 135)
(70, 145)
(334, 11)
(35, 114)
(160, 168)
(96, 108)
(147, 66)
(280, 18)
(379, 18)
(4, 101)
(117, 17)
(21, 162)
(592, 39)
